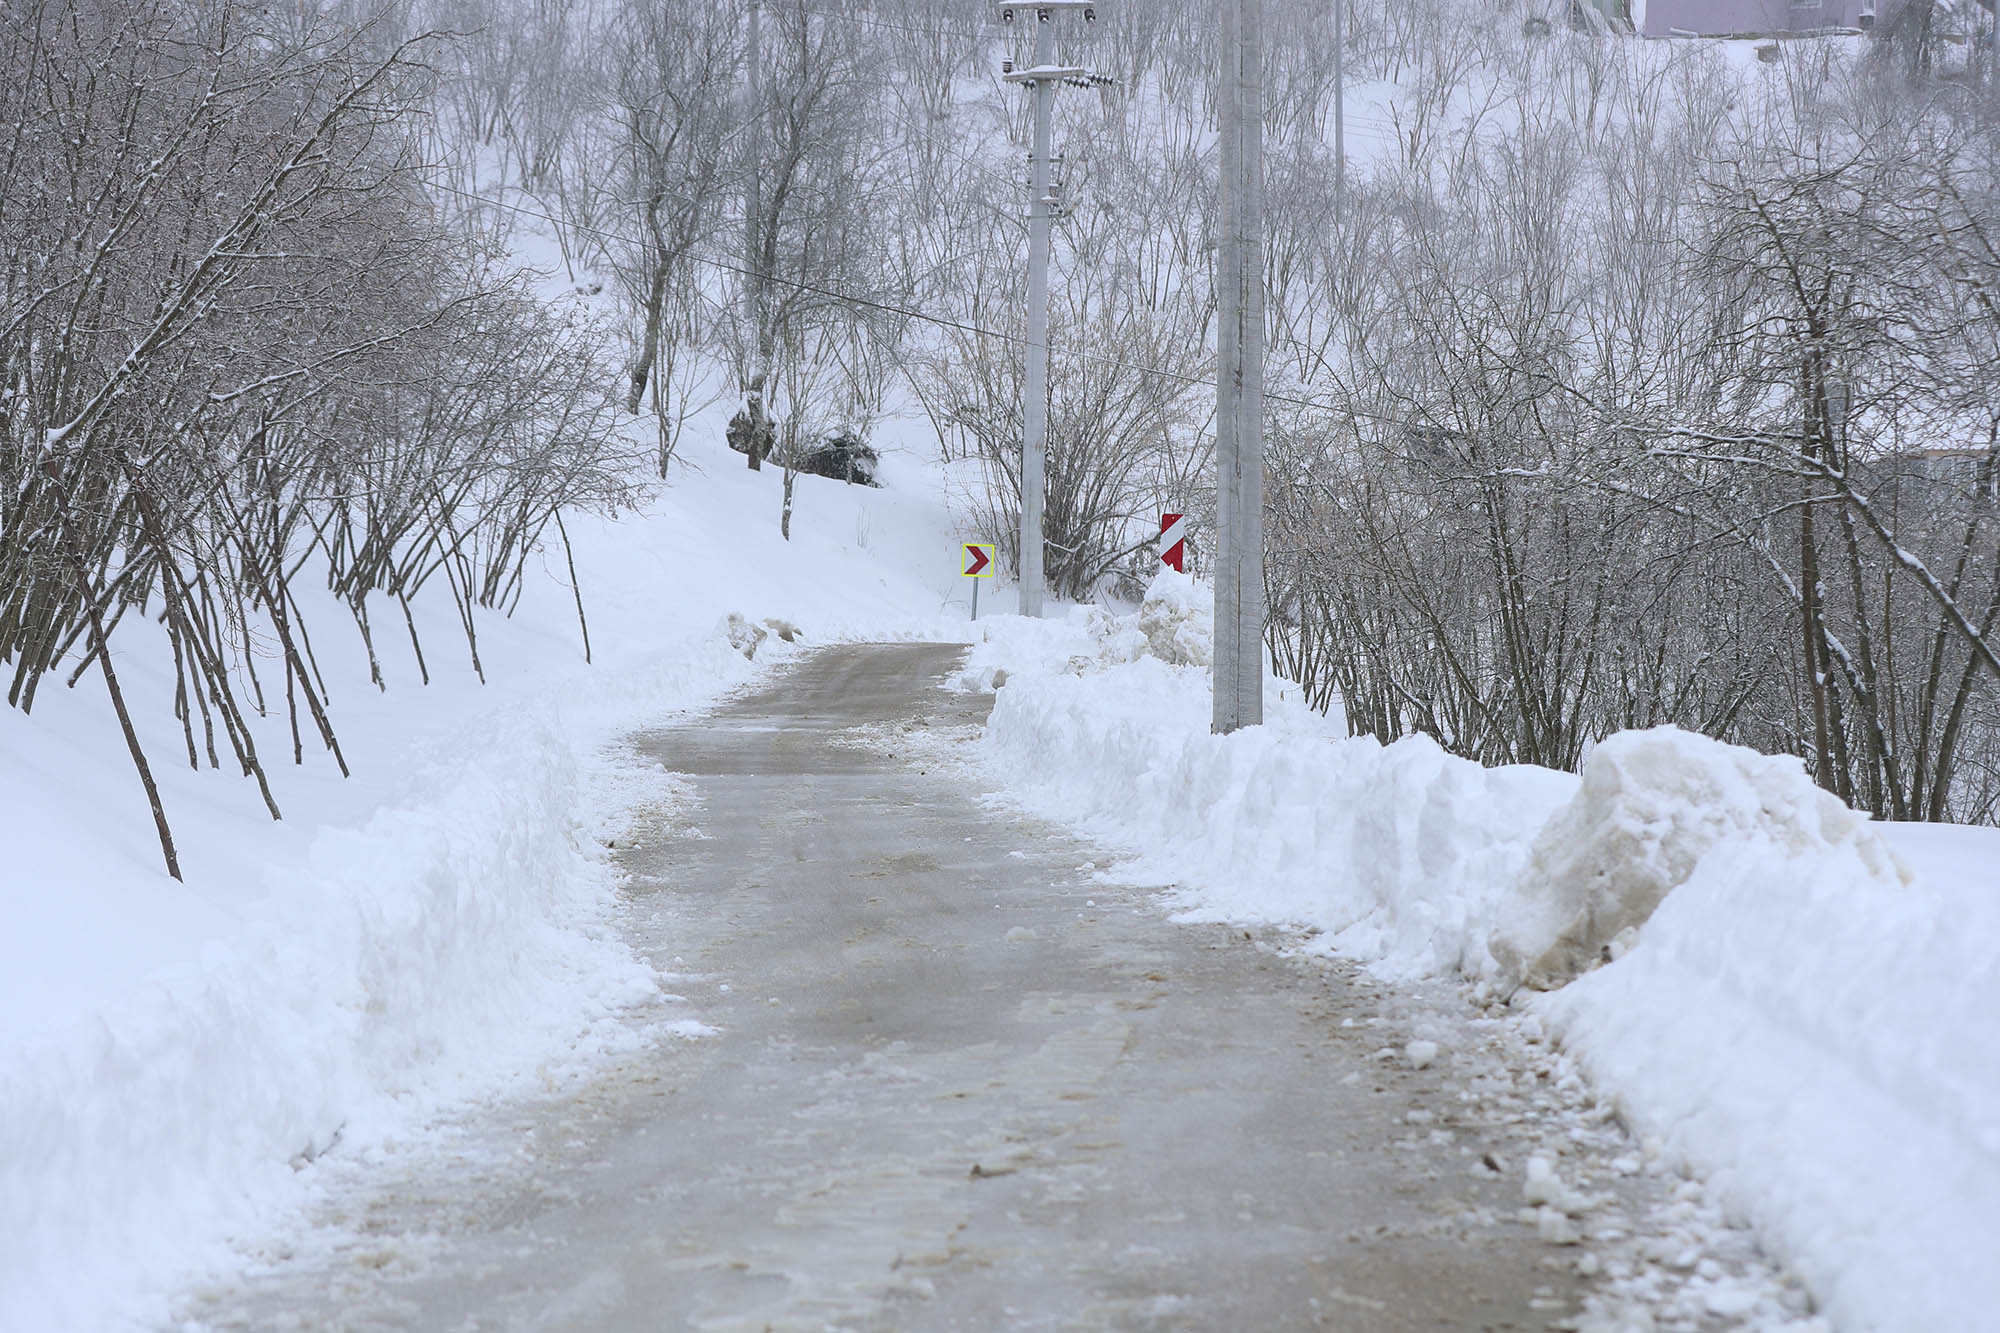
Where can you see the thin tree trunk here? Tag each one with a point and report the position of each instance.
(132, 744)
(576, 588)
(649, 348)
(415, 645)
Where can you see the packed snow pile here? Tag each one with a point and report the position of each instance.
(1178, 620)
(1798, 1003)
(1175, 623)
(460, 931)
(1650, 806)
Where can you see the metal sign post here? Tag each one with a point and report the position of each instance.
(975, 562)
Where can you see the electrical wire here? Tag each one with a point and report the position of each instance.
(981, 31)
(892, 26)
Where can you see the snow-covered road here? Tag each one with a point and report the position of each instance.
(923, 1068)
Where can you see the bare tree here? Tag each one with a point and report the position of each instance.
(822, 275)
(235, 340)
(669, 99)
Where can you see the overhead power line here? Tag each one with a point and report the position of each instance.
(974, 31)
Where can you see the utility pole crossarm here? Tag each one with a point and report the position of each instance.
(1062, 73)
(1043, 10)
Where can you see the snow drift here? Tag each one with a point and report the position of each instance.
(1400, 853)
(1816, 1035)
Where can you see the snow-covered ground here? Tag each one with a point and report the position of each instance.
(1803, 1021)
(434, 929)
(1806, 1019)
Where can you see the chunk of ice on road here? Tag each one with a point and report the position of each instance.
(1555, 1228)
(1544, 1187)
(1730, 1301)
(1420, 1053)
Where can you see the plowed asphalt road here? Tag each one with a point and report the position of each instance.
(956, 1083)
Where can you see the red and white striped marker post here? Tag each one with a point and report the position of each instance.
(1173, 542)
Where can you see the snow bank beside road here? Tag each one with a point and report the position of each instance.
(450, 936)
(1804, 1019)
(462, 935)
(1400, 854)
(1650, 806)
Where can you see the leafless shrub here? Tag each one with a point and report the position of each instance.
(1720, 453)
(235, 341)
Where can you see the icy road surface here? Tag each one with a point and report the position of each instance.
(954, 1082)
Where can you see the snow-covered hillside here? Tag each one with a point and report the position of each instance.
(438, 927)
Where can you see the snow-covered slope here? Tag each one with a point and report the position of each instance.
(436, 927)
(1806, 1020)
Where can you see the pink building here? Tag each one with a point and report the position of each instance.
(1727, 18)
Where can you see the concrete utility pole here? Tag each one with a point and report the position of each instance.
(1041, 80)
(1239, 377)
(753, 248)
